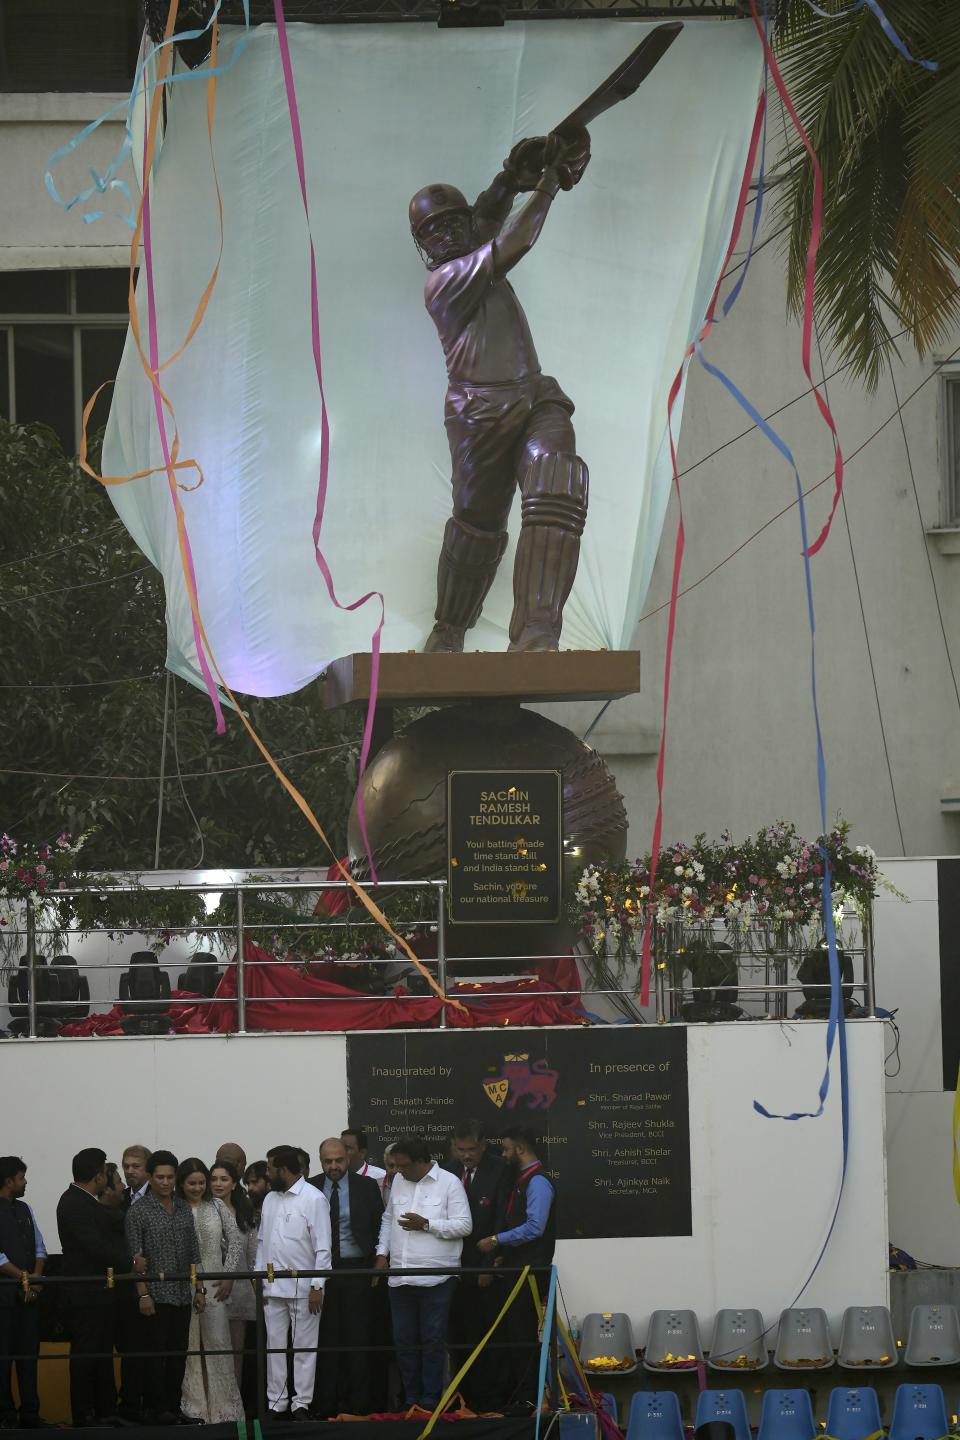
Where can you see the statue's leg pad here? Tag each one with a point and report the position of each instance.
(554, 493)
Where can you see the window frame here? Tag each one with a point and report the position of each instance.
(949, 444)
(78, 322)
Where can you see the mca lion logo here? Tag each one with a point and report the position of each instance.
(535, 1086)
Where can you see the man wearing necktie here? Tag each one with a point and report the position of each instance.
(477, 1299)
(356, 1210)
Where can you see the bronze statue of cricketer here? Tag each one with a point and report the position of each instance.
(508, 424)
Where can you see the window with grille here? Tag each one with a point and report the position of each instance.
(61, 336)
(68, 44)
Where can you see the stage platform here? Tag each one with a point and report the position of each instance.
(494, 1427)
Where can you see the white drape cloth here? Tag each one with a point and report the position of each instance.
(614, 290)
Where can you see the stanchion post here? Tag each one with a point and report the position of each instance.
(261, 1352)
(241, 981)
(660, 988)
(869, 979)
(31, 969)
(555, 1357)
(442, 947)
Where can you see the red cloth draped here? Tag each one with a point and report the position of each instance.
(296, 997)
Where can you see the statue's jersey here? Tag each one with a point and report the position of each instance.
(484, 333)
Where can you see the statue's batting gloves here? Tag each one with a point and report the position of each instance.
(524, 164)
(574, 158)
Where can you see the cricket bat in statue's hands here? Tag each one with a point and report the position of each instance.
(624, 80)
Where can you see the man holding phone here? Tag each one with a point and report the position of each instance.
(423, 1228)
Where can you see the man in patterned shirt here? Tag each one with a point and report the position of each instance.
(160, 1227)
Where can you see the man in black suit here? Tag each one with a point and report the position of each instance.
(356, 1209)
(129, 1335)
(477, 1300)
(92, 1240)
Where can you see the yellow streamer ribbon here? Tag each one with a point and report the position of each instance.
(451, 1389)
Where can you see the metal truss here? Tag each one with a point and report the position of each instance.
(465, 12)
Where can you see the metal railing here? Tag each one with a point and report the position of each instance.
(114, 1282)
(668, 995)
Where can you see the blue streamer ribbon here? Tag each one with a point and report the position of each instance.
(835, 1024)
(882, 21)
(109, 180)
(548, 1313)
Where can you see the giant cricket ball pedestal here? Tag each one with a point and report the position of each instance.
(481, 725)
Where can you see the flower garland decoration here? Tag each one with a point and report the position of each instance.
(770, 880)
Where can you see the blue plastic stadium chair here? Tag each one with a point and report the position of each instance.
(853, 1414)
(919, 1413)
(786, 1415)
(655, 1415)
(726, 1405)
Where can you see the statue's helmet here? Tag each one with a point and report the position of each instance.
(435, 200)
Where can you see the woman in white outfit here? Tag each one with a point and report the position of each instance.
(210, 1391)
(242, 1305)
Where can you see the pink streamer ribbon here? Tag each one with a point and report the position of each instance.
(816, 229)
(325, 571)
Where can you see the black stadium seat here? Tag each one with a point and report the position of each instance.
(18, 998)
(202, 975)
(145, 995)
(72, 987)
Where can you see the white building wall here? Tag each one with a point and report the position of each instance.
(741, 747)
(35, 233)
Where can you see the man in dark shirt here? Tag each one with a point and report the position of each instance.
(506, 422)
(160, 1226)
(356, 1210)
(127, 1335)
(477, 1299)
(22, 1257)
(526, 1236)
(92, 1241)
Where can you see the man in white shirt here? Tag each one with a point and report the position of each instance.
(356, 1145)
(294, 1235)
(423, 1228)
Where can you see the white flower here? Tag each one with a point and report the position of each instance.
(686, 890)
(678, 869)
(698, 870)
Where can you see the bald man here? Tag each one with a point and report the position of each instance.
(234, 1155)
(356, 1209)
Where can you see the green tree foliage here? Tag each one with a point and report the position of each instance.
(80, 607)
(887, 134)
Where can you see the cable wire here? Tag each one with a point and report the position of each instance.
(188, 775)
(87, 585)
(61, 549)
(82, 684)
(176, 757)
(863, 619)
(816, 486)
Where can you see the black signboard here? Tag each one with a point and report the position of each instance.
(610, 1105)
(505, 846)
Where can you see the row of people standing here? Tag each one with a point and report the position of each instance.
(490, 1214)
(352, 1216)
